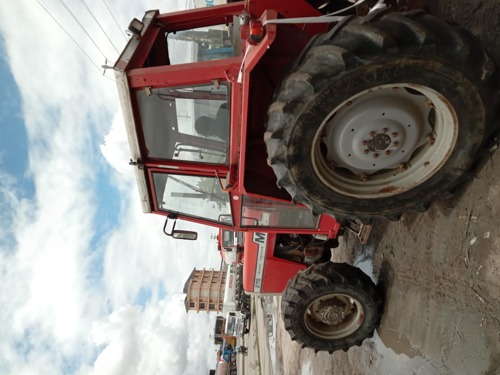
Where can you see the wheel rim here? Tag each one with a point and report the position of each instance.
(385, 140)
(333, 316)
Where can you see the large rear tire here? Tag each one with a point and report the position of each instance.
(331, 306)
(384, 114)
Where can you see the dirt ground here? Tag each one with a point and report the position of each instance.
(440, 269)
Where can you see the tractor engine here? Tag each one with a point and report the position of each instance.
(304, 248)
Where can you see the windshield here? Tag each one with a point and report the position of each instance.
(196, 196)
(228, 239)
(206, 43)
(259, 212)
(186, 123)
(230, 325)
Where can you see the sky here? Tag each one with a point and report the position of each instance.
(88, 283)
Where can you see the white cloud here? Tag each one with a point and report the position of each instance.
(68, 299)
(115, 147)
(148, 342)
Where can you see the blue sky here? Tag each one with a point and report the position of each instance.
(88, 283)
(13, 138)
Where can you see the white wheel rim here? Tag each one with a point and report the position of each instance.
(385, 140)
(334, 316)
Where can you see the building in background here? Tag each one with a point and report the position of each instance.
(204, 290)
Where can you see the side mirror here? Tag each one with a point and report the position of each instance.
(184, 235)
(178, 234)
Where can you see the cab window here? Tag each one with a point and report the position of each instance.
(201, 44)
(259, 212)
(199, 197)
(186, 123)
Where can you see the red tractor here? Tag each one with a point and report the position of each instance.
(285, 119)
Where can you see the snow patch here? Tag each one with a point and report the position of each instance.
(365, 263)
(306, 368)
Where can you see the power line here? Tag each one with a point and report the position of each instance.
(114, 19)
(81, 26)
(95, 19)
(74, 41)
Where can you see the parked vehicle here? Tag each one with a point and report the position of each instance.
(230, 245)
(236, 324)
(313, 120)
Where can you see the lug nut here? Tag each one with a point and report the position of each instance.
(396, 144)
(385, 130)
(375, 155)
(364, 143)
(388, 152)
(394, 134)
(402, 167)
(373, 134)
(363, 177)
(366, 152)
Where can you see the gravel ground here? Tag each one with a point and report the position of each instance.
(440, 269)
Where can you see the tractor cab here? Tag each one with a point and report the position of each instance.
(194, 88)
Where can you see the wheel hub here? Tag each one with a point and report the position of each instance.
(331, 315)
(378, 130)
(384, 140)
(379, 142)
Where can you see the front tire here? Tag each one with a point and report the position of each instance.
(331, 306)
(385, 114)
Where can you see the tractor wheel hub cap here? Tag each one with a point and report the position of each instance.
(379, 143)
(331, 315)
